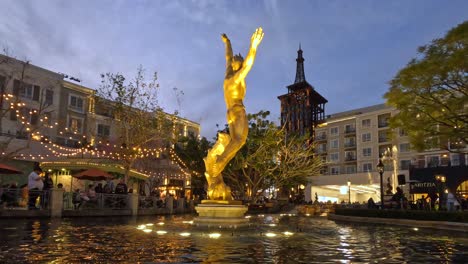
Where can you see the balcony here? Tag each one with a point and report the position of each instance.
(384, 139)
(321, 137)
(350, 131)
(350, 145)
(350, 158)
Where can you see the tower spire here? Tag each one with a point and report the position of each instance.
(300, 76)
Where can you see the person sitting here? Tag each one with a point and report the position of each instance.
(99, 188)
(91, 193)
(121, 188)
(76, 199)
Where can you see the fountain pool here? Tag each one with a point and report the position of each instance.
(270, 239)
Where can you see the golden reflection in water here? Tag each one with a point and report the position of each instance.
(36, 233)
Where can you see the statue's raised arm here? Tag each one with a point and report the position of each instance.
(227, 43)
(255, 40)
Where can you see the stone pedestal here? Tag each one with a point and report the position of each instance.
(221, 214)
(56, 202)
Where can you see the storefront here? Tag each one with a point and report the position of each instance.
(423, 181)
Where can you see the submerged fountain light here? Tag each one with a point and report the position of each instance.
(415, 229)
(150, 224)
(187, 222)
(161, 223)
(307, 214)
(147, 230)
(214, 235)
(161, 232)
(185, 234)
(287, 233)
(141, 227)
(270, 234)
(248, 216)
(272, 224)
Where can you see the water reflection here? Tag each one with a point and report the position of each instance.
(271, 239)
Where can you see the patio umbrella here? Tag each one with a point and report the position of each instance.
(5, 169)
(93, 175)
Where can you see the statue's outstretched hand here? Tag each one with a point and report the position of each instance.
(224, 38)
(257, 37)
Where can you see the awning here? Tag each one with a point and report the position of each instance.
(80, 164)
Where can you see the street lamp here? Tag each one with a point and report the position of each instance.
(349, 191)
(380, 169)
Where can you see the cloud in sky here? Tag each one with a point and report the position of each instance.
(352, 49)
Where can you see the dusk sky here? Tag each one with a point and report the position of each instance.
(352, 49)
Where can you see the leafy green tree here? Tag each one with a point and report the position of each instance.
(192, 151)
(269, 159)
(431, 94)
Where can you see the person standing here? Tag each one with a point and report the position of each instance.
(35, 186)
(48, 184)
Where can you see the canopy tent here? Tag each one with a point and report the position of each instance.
(5, 169)
(93, 175)
(80, 164)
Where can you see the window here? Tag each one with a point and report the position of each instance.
(366, 123)
(103, 130)
(334, 131)
(433, 161)
(76, 103)
(405, 147)
(366, 137)
(321, 135)
(405, 164)
(350, 155)
(322, 148)
(350, 142)
(334, 157)
(49, 97)
(455, 159)
(334, 144)
(367, 167)
(402, 132)
(367, 152)
(26, 90)
(350, 169)
(350, 129)
(335, 170)
(75, 124)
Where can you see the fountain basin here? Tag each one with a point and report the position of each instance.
(221, 215)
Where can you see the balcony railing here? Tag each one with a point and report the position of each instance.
(350, 145)
(321, 137)
(350, 130)
(350, 158)
(383, 123)
(383, 139)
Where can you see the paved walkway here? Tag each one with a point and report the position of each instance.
(454, 226)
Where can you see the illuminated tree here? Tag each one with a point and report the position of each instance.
(431, 93)
(136, 114)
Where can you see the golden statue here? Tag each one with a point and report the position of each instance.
(227, 145)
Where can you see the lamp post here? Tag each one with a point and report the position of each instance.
(349, 191)
(380, 169)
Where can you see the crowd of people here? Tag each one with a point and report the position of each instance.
(93, 193)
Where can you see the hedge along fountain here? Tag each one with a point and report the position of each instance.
(221, 209)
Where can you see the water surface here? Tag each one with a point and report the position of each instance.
(313, 240)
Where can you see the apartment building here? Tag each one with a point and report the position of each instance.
(350, 143)
(49, 119)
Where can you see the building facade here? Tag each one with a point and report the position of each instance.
(48, 119)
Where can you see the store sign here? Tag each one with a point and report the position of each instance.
(422, 187)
